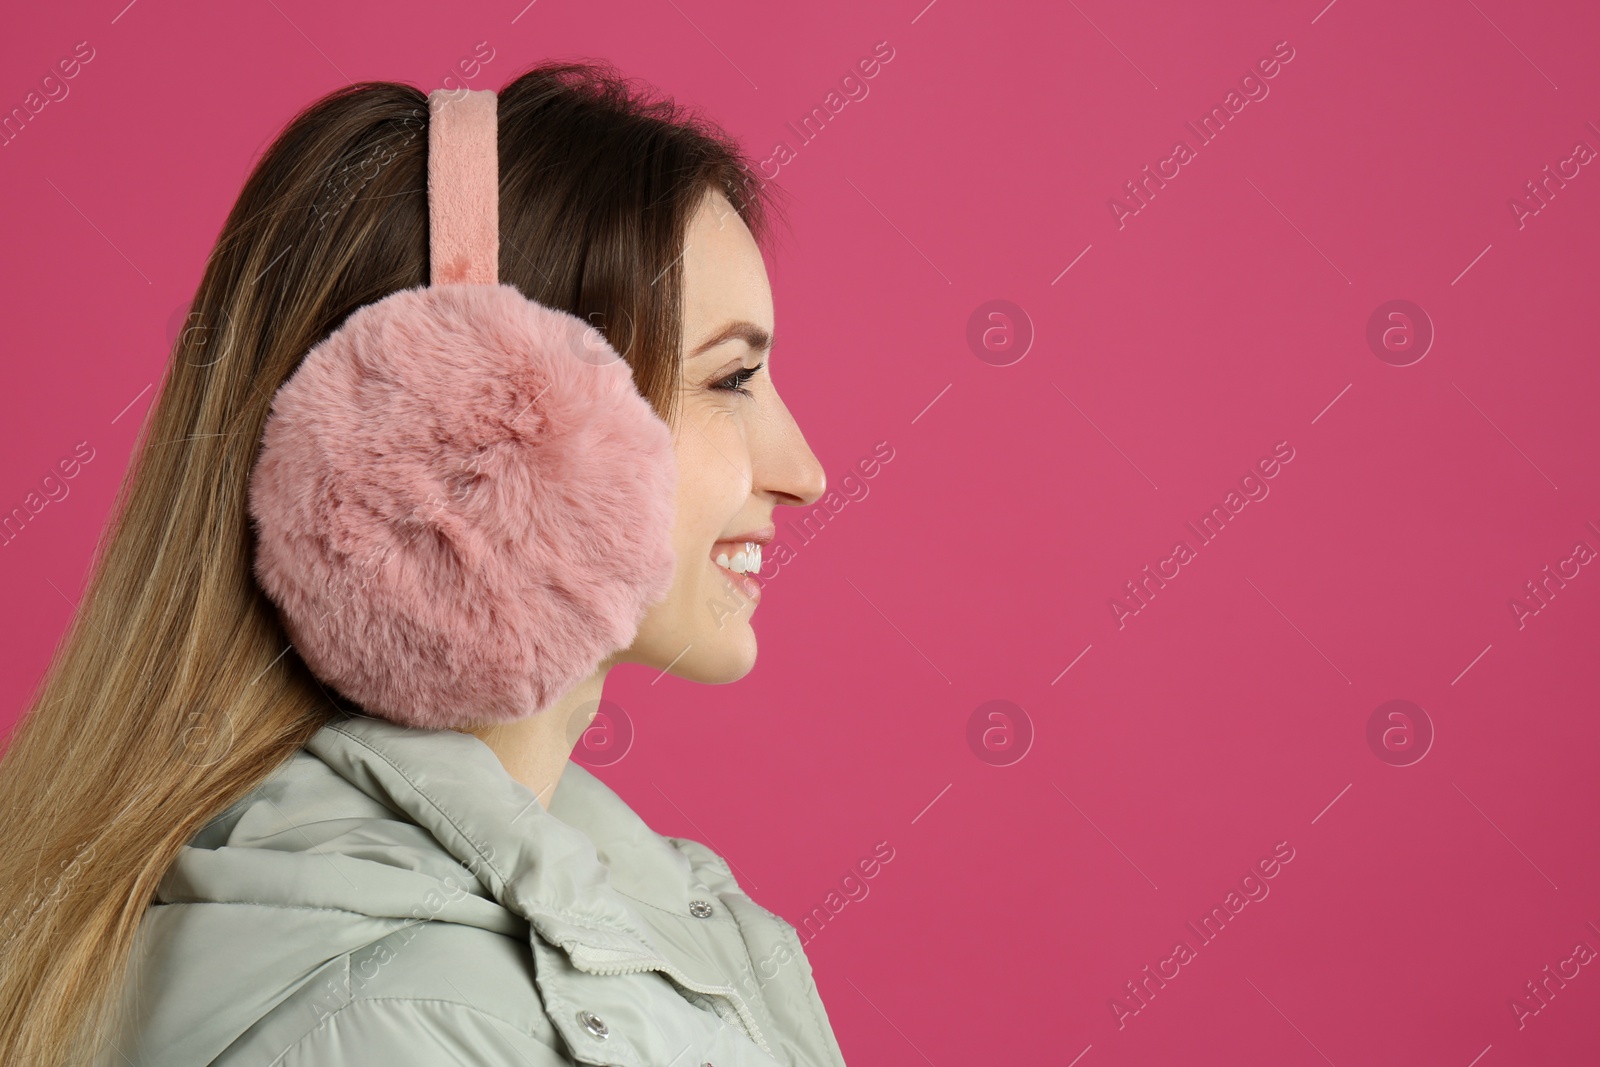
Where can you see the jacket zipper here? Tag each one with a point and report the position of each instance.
(746, 1018)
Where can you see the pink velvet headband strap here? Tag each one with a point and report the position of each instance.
(463, 187)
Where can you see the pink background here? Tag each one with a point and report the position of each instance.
(1229, 314)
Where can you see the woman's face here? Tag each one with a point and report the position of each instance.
(739, 456)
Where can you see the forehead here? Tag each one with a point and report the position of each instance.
(723, 274)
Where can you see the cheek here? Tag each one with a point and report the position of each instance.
(713, 484)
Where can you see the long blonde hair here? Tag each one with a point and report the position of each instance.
(174, 691)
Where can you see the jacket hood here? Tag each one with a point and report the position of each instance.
(372, 827)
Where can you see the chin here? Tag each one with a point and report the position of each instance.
(718, 656)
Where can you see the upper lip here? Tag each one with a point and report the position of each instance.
(760, 537)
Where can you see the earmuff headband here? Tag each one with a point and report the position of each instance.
(463, 187)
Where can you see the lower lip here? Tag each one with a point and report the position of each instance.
(745, 583)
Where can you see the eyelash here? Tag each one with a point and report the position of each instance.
(739, 377)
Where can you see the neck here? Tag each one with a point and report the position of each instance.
(535, 748)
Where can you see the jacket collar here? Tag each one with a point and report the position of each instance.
(549, 866)
(642, 865)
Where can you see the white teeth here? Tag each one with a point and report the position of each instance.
(743, 562)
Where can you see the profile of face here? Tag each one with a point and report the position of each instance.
(739, 455)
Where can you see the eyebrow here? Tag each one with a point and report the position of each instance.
(758, 339)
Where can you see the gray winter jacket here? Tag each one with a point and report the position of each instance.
(391, 896)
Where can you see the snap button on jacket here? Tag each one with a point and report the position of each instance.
(391, 896)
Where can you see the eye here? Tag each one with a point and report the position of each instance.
(734, 383)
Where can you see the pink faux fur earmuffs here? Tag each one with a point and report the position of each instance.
(462, 503)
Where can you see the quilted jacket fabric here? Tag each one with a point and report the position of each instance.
(391, 896)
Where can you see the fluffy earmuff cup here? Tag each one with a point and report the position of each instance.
(462, 504)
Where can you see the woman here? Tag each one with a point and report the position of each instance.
(212, 857)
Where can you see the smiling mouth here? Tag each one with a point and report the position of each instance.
(742, 557)
(739, 561)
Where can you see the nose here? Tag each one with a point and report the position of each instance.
(787, 468)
